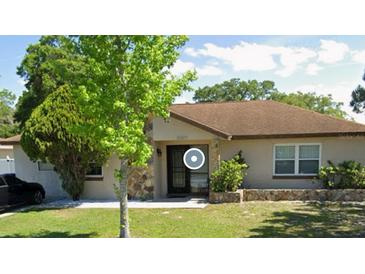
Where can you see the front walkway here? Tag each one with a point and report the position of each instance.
(161, 203)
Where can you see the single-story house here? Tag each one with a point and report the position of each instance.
(6, 158)
(284, 146)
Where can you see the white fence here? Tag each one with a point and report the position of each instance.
(7, 166)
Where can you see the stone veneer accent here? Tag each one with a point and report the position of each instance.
(215, 154)
(140, 179)
(334, 195)
(140, 183)
(225, 197)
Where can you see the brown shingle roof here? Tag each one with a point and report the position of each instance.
(262, 119)
(11, 140)
(255, 119)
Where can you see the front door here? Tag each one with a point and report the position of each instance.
(180, 179)
(178, 173)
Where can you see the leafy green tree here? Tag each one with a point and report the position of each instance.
(235, 90)
(130, 82)
(48, 136)
(47, 112)
(358, 98)
(7, 125)
(240, 90)
(319, 103)
(47, 65)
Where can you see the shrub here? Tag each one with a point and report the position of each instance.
(348, 174)
(229, 175)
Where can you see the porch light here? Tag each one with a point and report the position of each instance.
(159, 152)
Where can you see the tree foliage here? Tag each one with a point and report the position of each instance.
(47, 111)
(358, 98)
(240, 90)
(235, 90)
(48, 136)
(7, 125)
(319, 103)
(118, 83)
(48, 64)
(130, 82)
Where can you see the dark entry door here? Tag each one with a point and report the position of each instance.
(180, 179)
(178, 174)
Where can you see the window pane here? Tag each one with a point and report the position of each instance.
(94, 170)
(308, 166)
(284, 152)
(199, 183)
(308, 151)
(284, 166)
(204, 168)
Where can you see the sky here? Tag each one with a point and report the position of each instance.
(322, 64)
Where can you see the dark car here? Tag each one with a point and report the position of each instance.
(14, 191)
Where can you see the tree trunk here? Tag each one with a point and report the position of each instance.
(123, 192)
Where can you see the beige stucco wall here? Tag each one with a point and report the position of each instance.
(27, 170)
(173, 129)
(103, 189)
(174, 132)
(6, 151)
(259, 155)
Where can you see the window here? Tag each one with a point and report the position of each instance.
(308, 159)
(285, 160)
(95, 170)
(43, 166)
(296, 159)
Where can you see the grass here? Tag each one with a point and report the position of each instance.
(250, 219)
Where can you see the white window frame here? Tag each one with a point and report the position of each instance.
(96, 176)
(296, 159)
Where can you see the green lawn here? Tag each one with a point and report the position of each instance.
(252, 219)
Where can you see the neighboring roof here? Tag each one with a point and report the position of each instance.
(262, 119)
(11, 140)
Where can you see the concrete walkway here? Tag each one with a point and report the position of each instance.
(161, 203)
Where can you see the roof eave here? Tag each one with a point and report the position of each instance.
(298, 135)
(14, 140)
(9, 143)
(200, 125)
